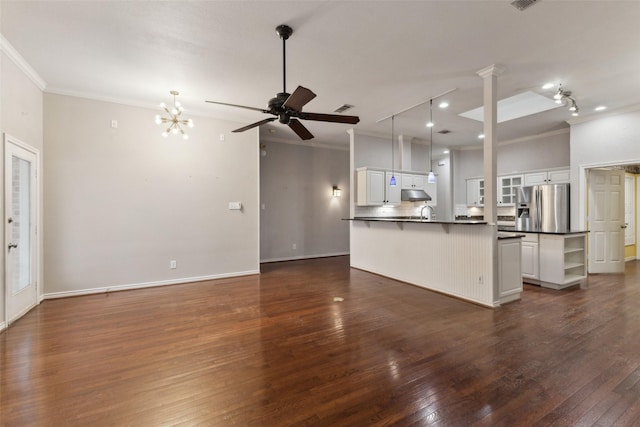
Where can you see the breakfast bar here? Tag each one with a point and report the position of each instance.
(470, 260)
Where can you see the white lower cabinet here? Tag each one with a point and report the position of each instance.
(509, 276)
(562, 260)
(554, 260)
(530, 260)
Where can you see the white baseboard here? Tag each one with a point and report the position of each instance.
(106, 289)
(298, 257)
(630, 258)
(3, 326)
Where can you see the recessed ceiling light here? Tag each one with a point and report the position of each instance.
(481, 136)
(600, 108)
(444, 104)
(445, 152)
(548, 86)
(430, 124)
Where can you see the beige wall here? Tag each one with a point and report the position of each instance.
(121, 203)
(21, 117)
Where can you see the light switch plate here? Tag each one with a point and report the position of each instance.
(235, 206)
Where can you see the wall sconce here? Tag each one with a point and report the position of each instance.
(336, 191)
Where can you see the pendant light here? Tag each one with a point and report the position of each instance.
(431, 179)
(392, 181)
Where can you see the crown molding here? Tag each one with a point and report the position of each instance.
(516, 140)
(603, 114)
(267, 140)
(21, 63)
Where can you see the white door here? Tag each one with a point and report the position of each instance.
(606, 221)
(21, 292)
(629, 209)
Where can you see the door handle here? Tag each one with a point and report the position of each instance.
(13, 246)
(623, 226)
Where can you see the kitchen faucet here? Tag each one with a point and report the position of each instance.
(432, 214)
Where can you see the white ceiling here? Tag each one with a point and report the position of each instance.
(381, 57)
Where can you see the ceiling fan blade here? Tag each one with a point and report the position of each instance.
(299, 129)
(335, 118)
(239, 106)
(252, 125)
(299, 98)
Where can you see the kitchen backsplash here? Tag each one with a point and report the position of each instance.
(404, 209)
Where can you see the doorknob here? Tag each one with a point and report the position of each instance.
(13, 246)
(623, 226)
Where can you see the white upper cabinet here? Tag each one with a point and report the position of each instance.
(475, 192)
(547, 177)
(431, 190)
(373, 188)
(392, 193)
(508, 188)
(413, 181)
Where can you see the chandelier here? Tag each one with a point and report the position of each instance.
(175, 121)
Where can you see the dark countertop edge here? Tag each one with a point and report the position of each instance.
(509, 236)
(416, 221)
(514, 230)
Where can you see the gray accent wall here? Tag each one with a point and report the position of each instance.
(297, 206)
(123, 202)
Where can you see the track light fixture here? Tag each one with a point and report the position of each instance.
(564, 97)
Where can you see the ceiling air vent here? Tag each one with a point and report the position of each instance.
(523, 4)
(444, 131)
(342, 108)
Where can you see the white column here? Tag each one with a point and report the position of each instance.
(352, 173)
(490, 77)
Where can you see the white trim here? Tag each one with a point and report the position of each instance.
(517, 140)
(115, 288)
(3, 326)
(21, 63)
(294, 258)
(267, 139)
(629, 258)
(38, 220)
(602, 115)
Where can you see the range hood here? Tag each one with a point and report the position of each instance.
(413, 195)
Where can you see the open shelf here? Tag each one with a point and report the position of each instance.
(572, 250)
(569, 278)
(570, 265)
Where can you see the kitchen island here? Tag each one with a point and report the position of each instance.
(553, 259)
(470, 260)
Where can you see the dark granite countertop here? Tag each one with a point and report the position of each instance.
(562, 232)
(414, 219)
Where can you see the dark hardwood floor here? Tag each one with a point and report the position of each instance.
(276, 350)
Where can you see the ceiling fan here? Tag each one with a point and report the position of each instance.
(288, 107)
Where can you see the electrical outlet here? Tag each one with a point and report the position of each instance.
(222, 137)
(294, 246)
(173, 264)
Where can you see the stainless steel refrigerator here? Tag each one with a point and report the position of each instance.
(543, 208)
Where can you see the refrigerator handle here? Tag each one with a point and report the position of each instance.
(539, 210)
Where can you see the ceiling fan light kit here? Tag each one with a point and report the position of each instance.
(286, 107)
